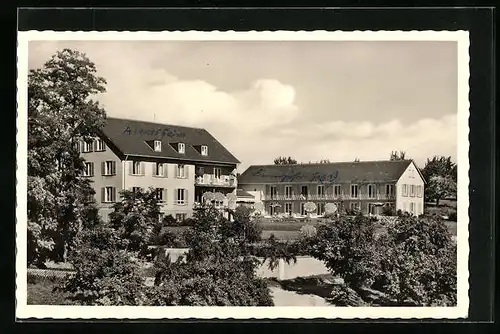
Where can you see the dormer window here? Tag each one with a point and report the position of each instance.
(204, 150)
(157, 146)
(182, 148)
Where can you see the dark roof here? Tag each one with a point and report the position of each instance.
(130, 137)
(242, 193)
(364, 171)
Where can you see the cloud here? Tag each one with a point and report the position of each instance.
(257, 121)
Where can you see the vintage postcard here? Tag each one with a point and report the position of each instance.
(243, 175)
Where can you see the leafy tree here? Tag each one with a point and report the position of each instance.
(285, 161)
(419, 265)
(440, 174)
(440, 166)
(324, 161)
(440, 187)
(356, 159)
(135, 217)
(347, 248)
(395, 155)
(412, 263)
(217, 270)
(60, 113)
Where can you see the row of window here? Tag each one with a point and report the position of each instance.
(181, 148)
(414, 190)
(98, 145)
(138, 168)
(108, 195)
(320, 208)
(95, 145)
(337, 190)
(415, 208)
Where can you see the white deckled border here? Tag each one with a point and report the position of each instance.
(24, 311)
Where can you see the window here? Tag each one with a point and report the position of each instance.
(412, 207)
(136, 168)
(157, 145)
(181, 171)
(274, 191)
(419, 191)
(304, 191)
(217, 173)
(288, 208)
(273, 209)
(405, 190)
(109, 168)
(389, 190)
(181, 196)
(136, 189)
(99, 145)
(320, 208)
(372, 191)
(180, 217)
(158, 169)
(419, 208)
(108, 194)
(302, 209)
(159, 194)
(321, 191)
(288, 191)
(87, 146)
(337, 190)
(412, 190)
(182, 148)
(204, 150)
(89, 169)
(354, 190)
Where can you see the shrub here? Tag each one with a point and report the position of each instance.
(218, 269)
(347, 247)
(388, 210)
(418, 263)
(105, 274)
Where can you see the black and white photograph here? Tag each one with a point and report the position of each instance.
(242, 175)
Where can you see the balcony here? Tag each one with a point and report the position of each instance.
(209, 180)
(328, 197)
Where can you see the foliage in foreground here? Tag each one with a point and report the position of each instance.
(218, 269)
(413, 263)
(60, 113)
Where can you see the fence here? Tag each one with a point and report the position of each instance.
(49, 273)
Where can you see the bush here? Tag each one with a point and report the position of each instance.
(105, 274)
(412, 263)
(347, 248)
(419, 263)
(218, 269)
(213, 281)
(388, 210)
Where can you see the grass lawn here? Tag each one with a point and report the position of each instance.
(41, 292)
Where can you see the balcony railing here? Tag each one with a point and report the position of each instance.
(211, 181)
(330, 197)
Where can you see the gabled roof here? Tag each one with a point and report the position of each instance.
(130, 137)
(339, 172)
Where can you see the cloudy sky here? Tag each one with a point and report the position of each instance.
(309, 100)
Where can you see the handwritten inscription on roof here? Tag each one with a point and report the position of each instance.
(159, 132)
(326, 179)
